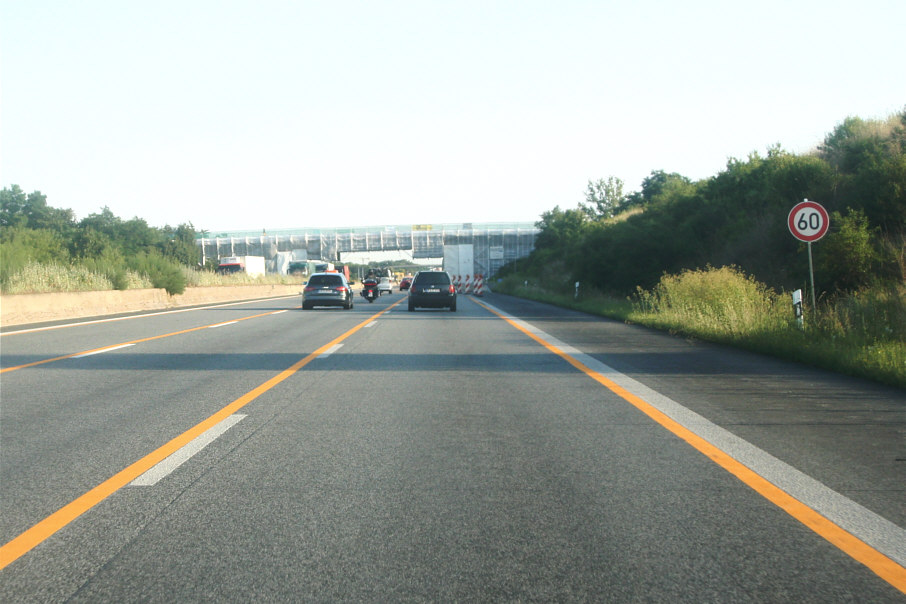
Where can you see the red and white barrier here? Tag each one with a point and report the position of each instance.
(469, 284)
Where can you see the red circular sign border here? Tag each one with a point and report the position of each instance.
(815, 206)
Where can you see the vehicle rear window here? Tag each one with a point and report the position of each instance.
(432, 278)
(331, 280)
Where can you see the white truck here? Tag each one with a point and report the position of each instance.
(253, 266)
(459, 261)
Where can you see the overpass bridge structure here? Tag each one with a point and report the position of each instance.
(494, 244)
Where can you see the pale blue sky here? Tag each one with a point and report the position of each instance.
(278, 114)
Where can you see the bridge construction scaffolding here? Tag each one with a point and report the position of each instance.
(495, 244)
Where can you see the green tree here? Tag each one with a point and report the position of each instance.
(180, 244)
(32, 211)
(135, 236)
(657, 185)
(603, 197)
(869, 162)
(91, 243)
(845, 257)
(132, 236)
(840, 146)
(20, 245)
(560, 229)
(12, 208)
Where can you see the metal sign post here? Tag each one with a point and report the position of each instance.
(811, 273)
(808, 222)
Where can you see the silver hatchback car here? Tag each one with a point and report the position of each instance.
(327, 289)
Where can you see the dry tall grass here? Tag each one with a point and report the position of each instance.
(38, 278)
(721, 302)
(35, 278)
(862, 334)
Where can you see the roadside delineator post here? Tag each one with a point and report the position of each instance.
(797, 307)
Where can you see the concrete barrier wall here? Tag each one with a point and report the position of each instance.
(20, 309)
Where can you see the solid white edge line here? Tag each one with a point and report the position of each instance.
(179, 457)
(875, 530)
(103, 350)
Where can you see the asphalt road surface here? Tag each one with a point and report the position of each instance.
(510, 451)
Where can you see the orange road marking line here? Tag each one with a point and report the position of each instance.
(28, 540)
(89, 321)
(103, 348)
(881, 565)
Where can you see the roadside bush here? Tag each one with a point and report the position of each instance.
(721, 301)
(20, 247)
(163, 273)
(861, 334)
(847, 256)
(111, 265)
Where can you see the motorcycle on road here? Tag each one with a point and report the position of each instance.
(370, 289)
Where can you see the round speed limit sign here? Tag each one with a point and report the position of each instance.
(808, 221)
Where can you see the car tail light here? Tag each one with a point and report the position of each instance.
(309, 288)
(342, 288)
(452, 290)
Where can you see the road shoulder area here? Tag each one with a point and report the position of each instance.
(847, 433)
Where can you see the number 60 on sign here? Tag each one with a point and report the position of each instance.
(808, 221)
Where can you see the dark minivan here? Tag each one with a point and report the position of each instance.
(433, 289)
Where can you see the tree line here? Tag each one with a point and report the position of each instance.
(613, 241)
(32, 232)
(617, 242)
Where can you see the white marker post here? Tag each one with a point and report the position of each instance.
(808, 221)
(797, 306)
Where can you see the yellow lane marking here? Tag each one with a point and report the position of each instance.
(877, 562)
(28, 540)
(113, 346)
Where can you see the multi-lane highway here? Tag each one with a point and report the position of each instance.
(507, 451)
